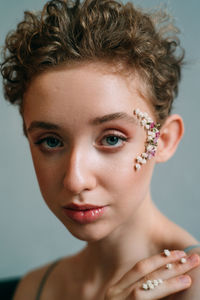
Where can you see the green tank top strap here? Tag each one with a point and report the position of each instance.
(191, 247)
(45, 277)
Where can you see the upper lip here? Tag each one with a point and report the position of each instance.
(81, 207)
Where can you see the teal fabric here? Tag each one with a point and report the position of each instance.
(191, 247)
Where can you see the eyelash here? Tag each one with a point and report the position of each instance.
(40, 142)
(120, 137)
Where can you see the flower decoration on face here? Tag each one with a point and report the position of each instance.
(151, 143)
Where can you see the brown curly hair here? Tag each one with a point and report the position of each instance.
(67, 31)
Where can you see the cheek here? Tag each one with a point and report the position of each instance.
(123, 180)
(115, 172)
(47, 175)
(130, 189)
(120, 166)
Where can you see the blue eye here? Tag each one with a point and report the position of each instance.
(113, 140)
(50, 142)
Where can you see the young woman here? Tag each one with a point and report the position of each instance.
(95, 82)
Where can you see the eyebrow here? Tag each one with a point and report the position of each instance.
(42, 125)
(97, 121)
(115, 116)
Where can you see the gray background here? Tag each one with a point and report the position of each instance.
(29, 234)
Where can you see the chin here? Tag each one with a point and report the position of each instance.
(88, 232)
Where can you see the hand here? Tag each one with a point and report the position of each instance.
(130, 286)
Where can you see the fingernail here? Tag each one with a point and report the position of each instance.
(185, 279)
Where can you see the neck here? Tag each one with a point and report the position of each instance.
(114, 255)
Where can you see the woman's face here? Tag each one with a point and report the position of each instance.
(83, 153)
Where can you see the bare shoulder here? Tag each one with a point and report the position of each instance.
(29, 284)
(57, 277)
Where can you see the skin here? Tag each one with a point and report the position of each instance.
(83, 167)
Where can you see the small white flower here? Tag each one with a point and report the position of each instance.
(183, 260)
(139, 159)
(147, 127)
(151, 133)
(137, 166)
(145, 286)
(143, 162)
(143, 122)
(137, 111)
(140, 114)
(160, 281)
(151, 286)
(144, 155)
(149, 147)
(155, 282)
(167, 252)
(169, 266)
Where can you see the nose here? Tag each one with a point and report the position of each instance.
(79, 175)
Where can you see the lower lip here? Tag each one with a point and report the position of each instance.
(85, 216)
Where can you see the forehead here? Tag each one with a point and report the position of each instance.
(82, 91)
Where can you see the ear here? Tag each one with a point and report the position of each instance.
(170, 135)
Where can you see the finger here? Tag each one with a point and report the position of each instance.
(146, 266)
(167, 288)
(176, 268)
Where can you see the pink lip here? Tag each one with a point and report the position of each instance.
(81, 207)
(84, 214)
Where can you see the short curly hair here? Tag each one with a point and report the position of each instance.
(67, 31)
